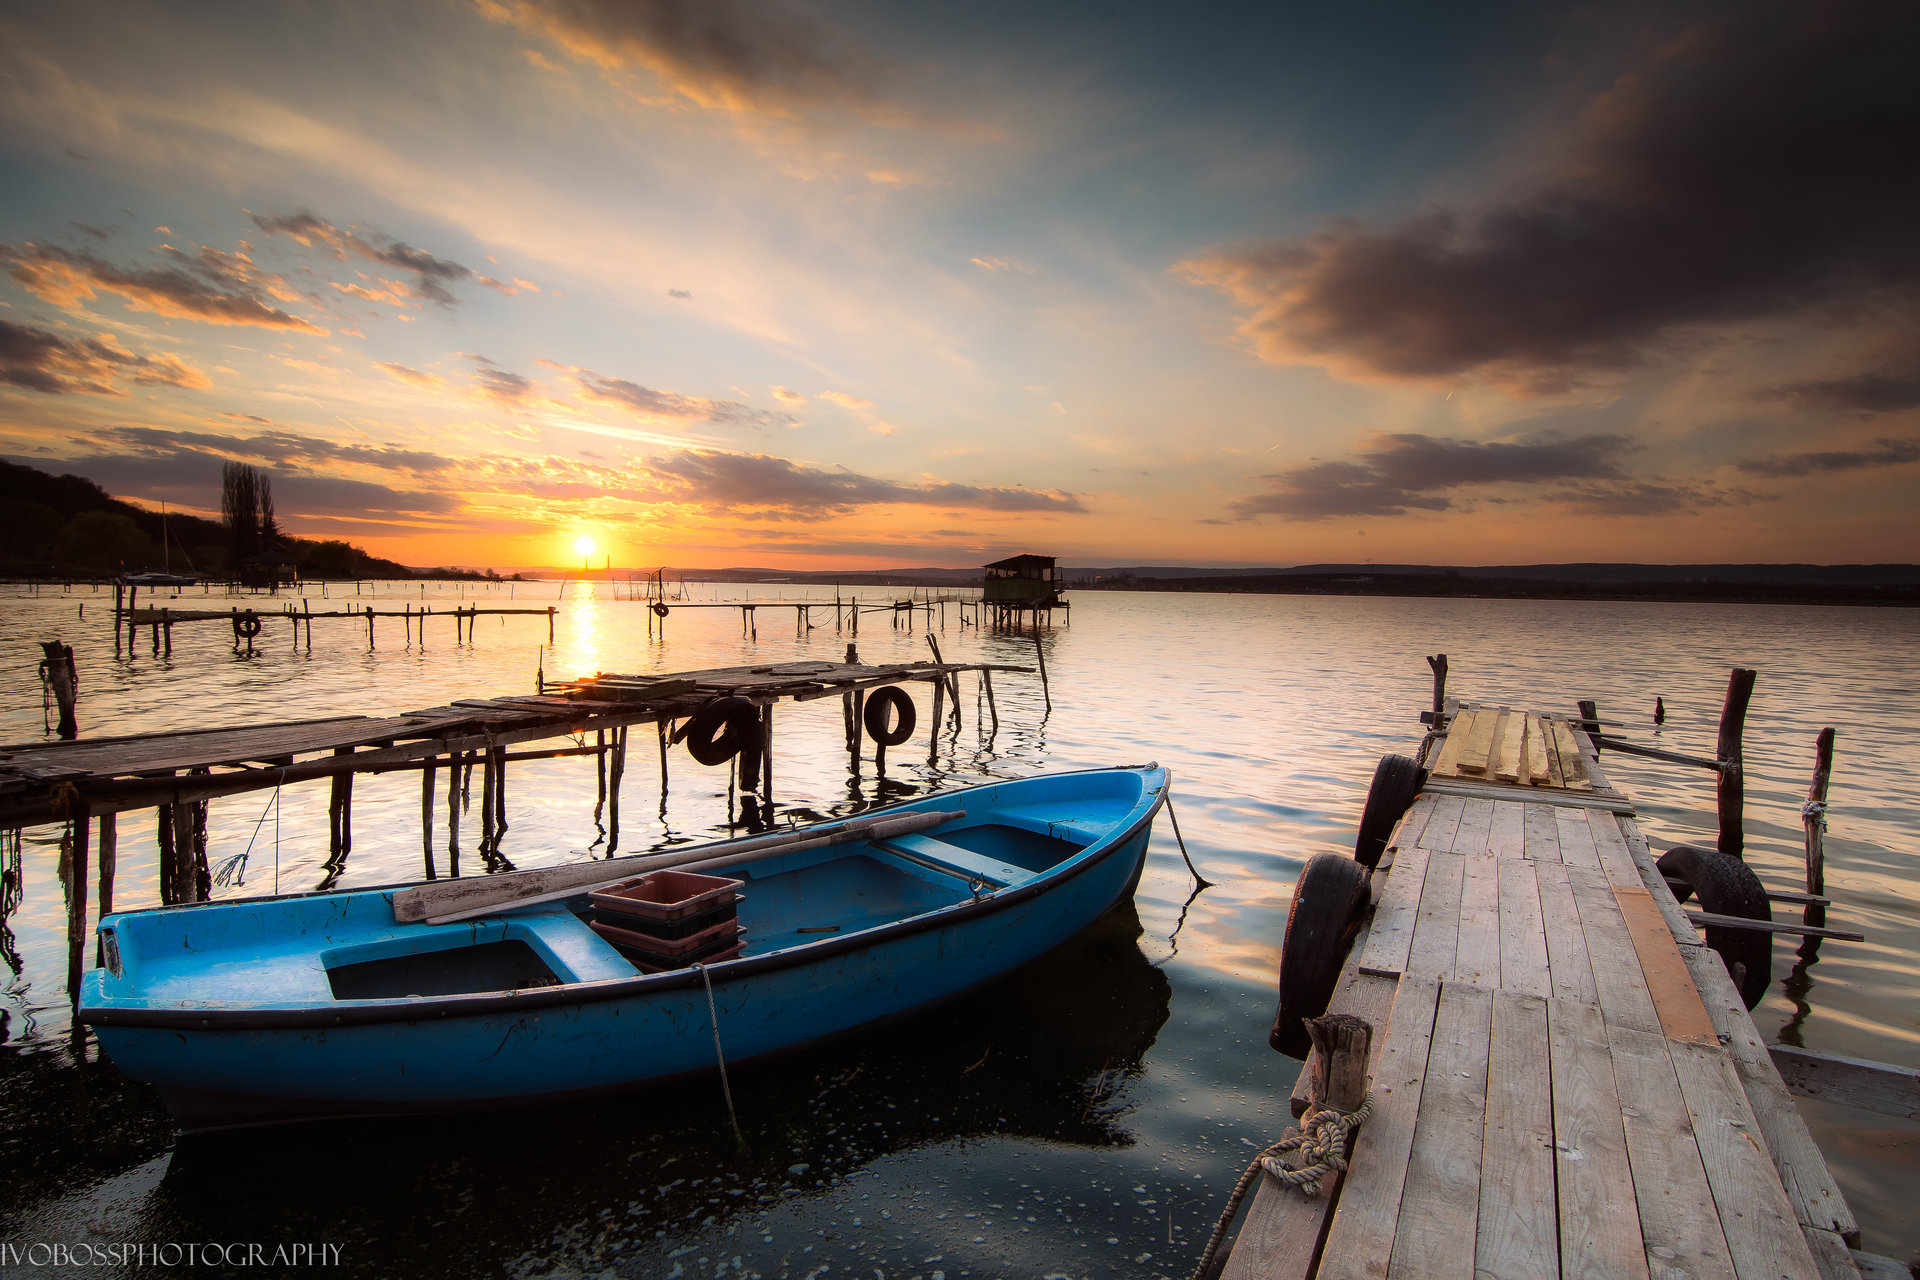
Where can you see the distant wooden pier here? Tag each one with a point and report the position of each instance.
(1565, 1080)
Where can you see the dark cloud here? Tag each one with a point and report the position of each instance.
(507, 388)
(1750, 169)
(431, 275)
(275, 448)
(1409, 472)
(210, 286)
(750, 483)
(679, 293)
(1639, 498)
(648, 403)
(1877, 391)
(721, 54)
(1884, 453)
(41, 360)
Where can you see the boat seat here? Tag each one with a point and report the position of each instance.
(584, 954)
(963, 861)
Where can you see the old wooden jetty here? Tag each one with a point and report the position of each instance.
(1564, 1079)
(88, 782)
(250, 624)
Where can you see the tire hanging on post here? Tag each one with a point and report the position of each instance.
(883, 705)
(1396, 781)
(724, 728)
(1726, 887)
(1328, 900)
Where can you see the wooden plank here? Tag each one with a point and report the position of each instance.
(1474, 753)
(1390, 935)
(1675, 1001)
(1280, 1235)
(1414, 821)
(1569, 969)
(1594, 1180)
(1762, 1234)
(1447, 763)
(1616, 969)
(1523, 934)
(1536, 753)
(1679, 1221)
(1873, 1266)
(1797, 1161)
(1590, 799)
(1573, 762)
(1517, 1235)
(1477, 952)
(1438, 833)
(1850, 1082)
(1507, 746)
(1543, 834)
(1436, 934)
(1834, 1260)
(1707, 918)
(1507, 838)
(1476, 826)
(1577, 848)
(1611, 847)
(1360, 1239)
(1656, 885)
(1440, 1204)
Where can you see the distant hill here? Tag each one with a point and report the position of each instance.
(55, 525)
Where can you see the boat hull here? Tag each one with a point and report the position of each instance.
(600, 1036)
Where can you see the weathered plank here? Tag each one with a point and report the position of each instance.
(1436, 936)
(1576, 839)
(1507, 747)
(1611, 846)
(1476, 826)
(1281, 1232)
(1438, 833)
(1543, 834)
(1440, 1205)
(1518, 1234)
(1656, 885)
(1850, 1082)
(1616, 969)
(1474, 752)
(1395, 916)
(1762, 1234)
(1568, 966)
(1679, 1222)
(1414, 821)
(1360, 1239)
(1834, 1260)
(1523, 935)
(1477, 953)
(1573, 762)
(1447, 762)
(1675, 1000)
(1589, 799)
(1802, 1170)
(1590, 1150)
(1507, 838)
(1536, 753)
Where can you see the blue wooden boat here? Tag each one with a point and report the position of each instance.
(324, 1004)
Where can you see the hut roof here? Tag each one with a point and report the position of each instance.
(1021, 562)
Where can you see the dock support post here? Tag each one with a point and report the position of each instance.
(766, 756)
(1733, 787)
(614, 775)
(661, 725)
(600, 770)
(933, 721)
(453, 813)
(1438, 664)
(1814, 816)
(426, 816)
(951, 680)
(986, 682)
(369, 628)
(1041, 653)
(78, 828)
(1338, 1067)
(340, 816)
(119, 599)
(550, 612)
(109, 859)
(1590, 721)
(58, 671)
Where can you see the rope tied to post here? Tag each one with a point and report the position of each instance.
(1322, 1137)
(1814, 811)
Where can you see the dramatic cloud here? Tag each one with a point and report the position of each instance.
(1409, 472)
(645, 402)
(755, 481)
(431, 275)
(1877, 391)
(210, 286)
(276, 448)
(498, 384)
(719, 54)
(1884, 453)
(1745, 172)
(41, 360)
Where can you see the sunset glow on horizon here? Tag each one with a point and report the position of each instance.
(867, 286)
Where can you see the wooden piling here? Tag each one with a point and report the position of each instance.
(986, 681)
(1590, 721)
(933, 721)
(1732, 791)
(614, 774)
(1041, 654)
(58, 670)
(453, 813)
(1337, 1069)
(1437, 663)
(1813, 815)
(426, 816)
(340, 815)
(109, 859)
(78, 828)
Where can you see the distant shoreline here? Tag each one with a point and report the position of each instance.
(1463, 587)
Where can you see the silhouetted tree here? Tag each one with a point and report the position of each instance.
(246, 500)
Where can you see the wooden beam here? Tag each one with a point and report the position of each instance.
(1771, 926)
(1852, 1082)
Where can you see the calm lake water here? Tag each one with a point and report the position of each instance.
(1085, 1117)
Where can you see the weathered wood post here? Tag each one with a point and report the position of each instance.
(766, 754)
(57, 670)
(1590, 721)
(1337, 1076)
(369, 628)
(453, 813)
(1437, 663)
(600, 768)
(78, 828)
(1733, 786)
(614, 774)
(119, 600)
(1659, 710)
(426, 816)
(1813, 815)
(109, 859)
(933, 721)
(1041, 653)
(986, 681)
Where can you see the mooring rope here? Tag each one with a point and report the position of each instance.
(1816, 811)
(720, 1057)
(1178, 839)
(1322, 1138)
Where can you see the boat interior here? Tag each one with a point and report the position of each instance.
(320, 950)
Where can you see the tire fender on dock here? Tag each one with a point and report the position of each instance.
(1328, 899)
(1396, 781)
(1726, 887)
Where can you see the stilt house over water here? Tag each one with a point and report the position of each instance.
(1020, 584)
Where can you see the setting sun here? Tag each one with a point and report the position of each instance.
(583, 545)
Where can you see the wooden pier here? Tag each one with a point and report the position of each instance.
(87, 783)
(1565, 1080)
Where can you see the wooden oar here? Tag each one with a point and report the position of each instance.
(454, 900)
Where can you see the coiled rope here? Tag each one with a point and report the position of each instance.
(1321, 1138)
